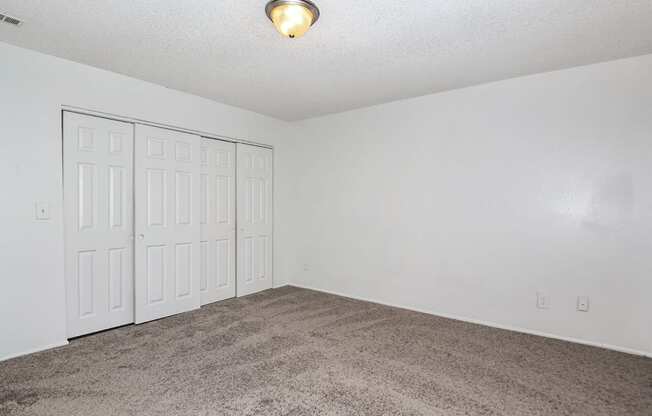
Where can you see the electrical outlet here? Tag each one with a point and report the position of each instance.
(543, 301)
(583, 303)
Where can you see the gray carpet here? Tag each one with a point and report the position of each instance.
(296, 352)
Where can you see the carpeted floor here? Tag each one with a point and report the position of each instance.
(292, 351)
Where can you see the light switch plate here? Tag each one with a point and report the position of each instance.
(42, 211)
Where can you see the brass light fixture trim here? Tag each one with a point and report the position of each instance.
(292, 18)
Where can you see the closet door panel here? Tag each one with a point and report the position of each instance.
(167, 200)
(98, 222)
(217, 220)
(255, 227)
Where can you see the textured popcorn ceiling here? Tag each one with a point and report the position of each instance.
(359, 53)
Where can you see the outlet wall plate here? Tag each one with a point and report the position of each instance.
(583, 303)
(543, 301)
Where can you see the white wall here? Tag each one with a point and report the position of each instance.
(463, 203)
(33, 87)
(467, 203)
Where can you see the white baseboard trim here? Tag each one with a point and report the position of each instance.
(486, 323)
(33, 350)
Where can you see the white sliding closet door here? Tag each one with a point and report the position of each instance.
(254, 205)
(98, 210)
(217, 217)
(167, 222)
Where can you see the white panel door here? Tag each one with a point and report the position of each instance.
(254, 206)
(98, 217)
(167, 252)
(217, 218)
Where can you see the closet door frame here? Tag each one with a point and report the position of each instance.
(134, 123)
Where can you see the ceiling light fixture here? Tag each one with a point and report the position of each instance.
(292, 18)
